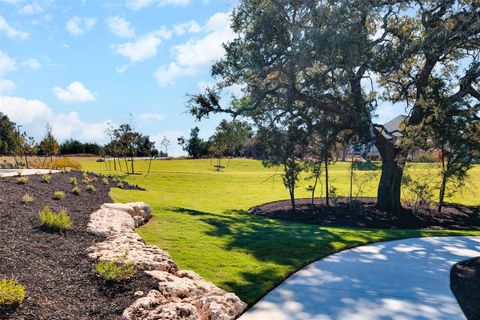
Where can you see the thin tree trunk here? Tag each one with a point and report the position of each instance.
(327, 200)
(120, 164)
(149, 165)
(133, 166)
(351, 182)
(393, 162)
(443, 185)
(126, 165)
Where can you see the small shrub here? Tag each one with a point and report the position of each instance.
(11, 292)
(105, 181)
(76, 191)
(58, 195)
(27, 199)
(114, 270)
(90, 188)
(120, 185)
(86, 180)
(73, 180)
(54, 221)
(46, 178)
(22, 180)
(64, 163)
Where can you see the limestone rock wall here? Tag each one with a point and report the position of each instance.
(181, 295)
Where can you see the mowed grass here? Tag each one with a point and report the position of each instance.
(201, 219)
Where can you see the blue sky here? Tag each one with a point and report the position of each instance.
(80, 65)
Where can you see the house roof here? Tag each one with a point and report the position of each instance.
(395, 124)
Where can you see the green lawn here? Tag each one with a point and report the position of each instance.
(200, 219)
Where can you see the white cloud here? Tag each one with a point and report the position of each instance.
(7, 65)
(7, 86)
(10, 31)
(136, 5)
(75, 92)
(197, 54)
(79, 25)
(32, 64)
(144, 47)
(150, 117)
(35, 114)
(187, 27)
(121, 69)
(120, 27)
(33, 8)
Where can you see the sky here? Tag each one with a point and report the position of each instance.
(81, 66)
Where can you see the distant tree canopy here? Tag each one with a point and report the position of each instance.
(49, 146)
(73, 146)
(196, 147)
(8, 136)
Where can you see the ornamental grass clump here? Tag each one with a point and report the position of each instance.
(76, 191)
(120, 185)
(46, 178)
(22, 180)
(11, 292)
(54, 221)
(73, 181)
(105, 181)
(27, 199)
(115, 270)
(90, 188)
(58, 195)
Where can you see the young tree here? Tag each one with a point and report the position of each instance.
(49, 146)
(165, 143)
(287, 147)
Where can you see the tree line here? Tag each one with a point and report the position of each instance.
(314, 72)
(125, 143)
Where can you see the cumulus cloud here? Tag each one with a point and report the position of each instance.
(150, 117)
(32, 64)
(33, 8)
(144, 47)
(136, 5)
(10, 31)
(79, 25)
(120, 27)
(7, 65)
(187, 27)
(35, 114)
(75, 92)
(197, 54)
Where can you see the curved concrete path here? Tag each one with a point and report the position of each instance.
(400, 280)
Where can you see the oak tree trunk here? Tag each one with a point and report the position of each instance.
(393, 162)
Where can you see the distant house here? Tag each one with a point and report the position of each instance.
(392, 126)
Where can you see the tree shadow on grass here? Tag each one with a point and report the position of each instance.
(286, 244)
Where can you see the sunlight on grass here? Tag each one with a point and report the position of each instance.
(200, 219)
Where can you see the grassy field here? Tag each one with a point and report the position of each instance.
(200, 219)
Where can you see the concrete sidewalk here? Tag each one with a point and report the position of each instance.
(402, 280)
(24, 172)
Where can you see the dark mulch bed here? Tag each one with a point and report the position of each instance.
(465, 285)
(54, 267)
(364, 214)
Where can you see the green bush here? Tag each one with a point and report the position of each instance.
(120, 185)
(114, 270)
(58, 195)
(76, 191)
(55, 221)
(73, 181)
(105, 181)
(86, 180)
(90, 188)
(46, 178)
(11, 293)
(22, 180)
(27, 198)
